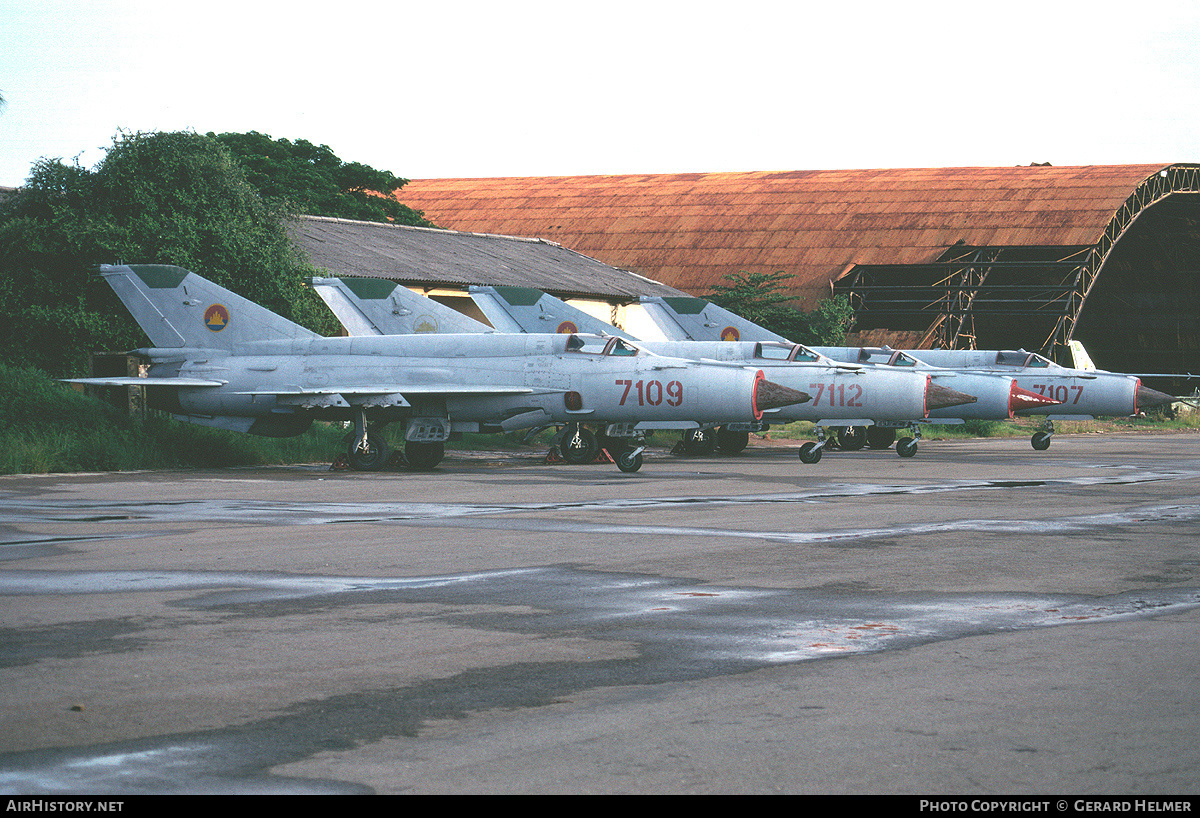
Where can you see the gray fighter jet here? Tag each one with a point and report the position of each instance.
(1064, 392)
(220, 360)
(845, 394)
(1079, 393)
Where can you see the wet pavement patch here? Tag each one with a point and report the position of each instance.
(682, 631)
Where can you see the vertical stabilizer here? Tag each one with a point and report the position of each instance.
(376, 306)
(177, 308)
(1080, 357)
(694, 319)
(521, 309)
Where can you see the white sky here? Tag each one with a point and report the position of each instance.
(449, 88)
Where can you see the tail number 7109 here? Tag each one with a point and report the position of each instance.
(651, 393)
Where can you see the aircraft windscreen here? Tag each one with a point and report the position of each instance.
(805, 355)
(1009, 358)
(588, 344)
(773, 351)
(900, 359)
(619, 347)
(1037, 362)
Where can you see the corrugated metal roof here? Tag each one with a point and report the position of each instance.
(419, 256)
(689, 230)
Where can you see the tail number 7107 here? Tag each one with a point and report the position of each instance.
(651, 393)
(1060, 392)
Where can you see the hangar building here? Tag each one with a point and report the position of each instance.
(949, 257)
(442, 264)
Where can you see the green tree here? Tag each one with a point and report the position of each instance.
(303, 178)
(759, 297)
(171, 198)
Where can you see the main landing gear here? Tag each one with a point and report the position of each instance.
(366, 450)
(854, 438)
(579, 445)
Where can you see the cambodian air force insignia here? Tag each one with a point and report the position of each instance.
(216, 317)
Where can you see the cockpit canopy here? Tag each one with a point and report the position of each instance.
(779, 351)
(1021, 358)
(601, 345)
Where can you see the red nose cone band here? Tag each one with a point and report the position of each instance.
(1021, 399)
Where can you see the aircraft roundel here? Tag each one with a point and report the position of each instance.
(567, 328)
(730, 334)
(216, 317)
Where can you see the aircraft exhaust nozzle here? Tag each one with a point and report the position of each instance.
(942, 397)
(771, 395)
(1147, 398)
(1021, 399)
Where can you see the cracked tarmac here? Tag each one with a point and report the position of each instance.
(1011, 621)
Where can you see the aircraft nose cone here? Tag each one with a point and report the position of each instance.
(940, 397)
(1020, 399)
(771, 395)
(1148, 398)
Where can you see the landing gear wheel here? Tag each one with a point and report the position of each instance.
(852, 438)
(878, 438)
(629, 462)
(423, 455)
(1040, 441)
(700, 441)
(810, 453)
(906, 447)
(732, 442)
(578, 445)
(373, 458)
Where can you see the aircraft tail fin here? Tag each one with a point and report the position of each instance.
(694, 319)
(522, 309)
(377, 306)
(1080, 357)
(177, 308)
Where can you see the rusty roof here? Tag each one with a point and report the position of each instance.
(689, 230)
(424, 257)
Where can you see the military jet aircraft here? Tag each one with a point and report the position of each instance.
(1079, 393)
(1064, 392)
(220, 360)
(694, 325)
(845, 393)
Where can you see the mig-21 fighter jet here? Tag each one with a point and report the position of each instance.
(218, 359)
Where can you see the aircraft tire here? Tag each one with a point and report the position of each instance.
(423, 455)
(578, 445)
(700, 441)
(809, 453)
(373, 459)
(629, 462)
(879, 438)
(732, 442)
(906, 447)
(1040, 441)
(852, 438)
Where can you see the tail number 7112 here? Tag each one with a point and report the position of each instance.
(838, 394)
(651, 393)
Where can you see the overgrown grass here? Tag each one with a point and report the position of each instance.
(47, 426)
